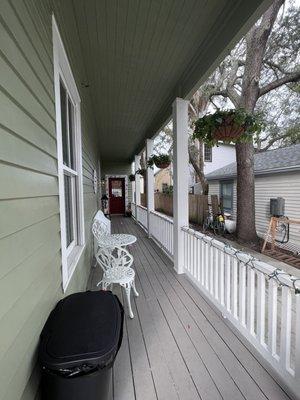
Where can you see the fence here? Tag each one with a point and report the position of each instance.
(198, 206)
(263, 303)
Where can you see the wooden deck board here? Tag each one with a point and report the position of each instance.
(177, 346)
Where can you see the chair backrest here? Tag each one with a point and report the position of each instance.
(99, 229)
(102, 218)
(118, 258)
(101, 226)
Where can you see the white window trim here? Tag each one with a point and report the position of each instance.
(62, 70)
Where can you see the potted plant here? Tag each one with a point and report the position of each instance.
(235, 126)
(161, 161)
(131, 177)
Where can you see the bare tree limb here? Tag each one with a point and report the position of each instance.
(291, 77)
(274, 140)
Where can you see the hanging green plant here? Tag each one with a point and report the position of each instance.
(237, 126)
(131, 177)
(161, 161)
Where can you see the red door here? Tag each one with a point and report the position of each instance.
(116, 195)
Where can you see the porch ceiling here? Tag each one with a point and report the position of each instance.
(138, 55)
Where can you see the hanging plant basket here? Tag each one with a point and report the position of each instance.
(231, 126)
(160, 161)
(228, 131)
(131, 177)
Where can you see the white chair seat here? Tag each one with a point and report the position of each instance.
(121, 275)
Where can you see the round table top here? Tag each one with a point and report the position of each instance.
(117, 239)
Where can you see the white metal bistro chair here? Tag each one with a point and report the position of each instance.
(116, 266)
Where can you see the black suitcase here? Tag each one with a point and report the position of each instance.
(78, 346)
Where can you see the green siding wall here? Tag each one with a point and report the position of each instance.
(30, 267)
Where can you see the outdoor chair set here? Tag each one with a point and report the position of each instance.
(113, 257)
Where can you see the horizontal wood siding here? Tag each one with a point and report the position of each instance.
(286, 185)
(30, 268)
(280, 185)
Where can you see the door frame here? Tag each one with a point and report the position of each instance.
(108, 176)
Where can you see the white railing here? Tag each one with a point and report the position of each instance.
(260, 301)
(133, 209)
(161, 229)
(142, 216)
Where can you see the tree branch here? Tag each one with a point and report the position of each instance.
(275, 67)
(274, 140)
(291, 77)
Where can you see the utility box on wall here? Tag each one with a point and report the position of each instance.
(277, 207)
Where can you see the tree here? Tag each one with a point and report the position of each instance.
(258, 65)
(260, 74)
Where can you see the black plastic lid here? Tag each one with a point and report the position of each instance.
(84, 328)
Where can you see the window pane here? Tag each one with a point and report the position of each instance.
(71, 132)
(116, 188)
(207, 153)
(227, 189)
(68, 209)
(64, 127)
(227, 203)
(227, 194)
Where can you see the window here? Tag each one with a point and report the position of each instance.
(207, 153)
(68, 129)
(226, 194)
(117, 188)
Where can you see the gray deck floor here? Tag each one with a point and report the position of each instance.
(177, 346)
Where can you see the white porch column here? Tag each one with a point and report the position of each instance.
(150, 183)
(137, 184)
(180, 178)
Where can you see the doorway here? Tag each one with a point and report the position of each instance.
(116, 187)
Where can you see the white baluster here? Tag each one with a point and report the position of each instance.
(285, 332)
(242, 293)
(221, 276)
(250, 299)
(227, 281)
(261, 306)
(235, 287)
(272, 316)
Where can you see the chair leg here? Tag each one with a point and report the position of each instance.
(135, 292)
(127, 292)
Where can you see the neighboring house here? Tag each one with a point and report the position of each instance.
(277, 174)
(163, 179)
(214, 158)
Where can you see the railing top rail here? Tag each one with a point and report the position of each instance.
(281, 276)
(140, 206)
(162, 216)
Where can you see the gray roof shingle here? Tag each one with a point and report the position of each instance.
(269, 162)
